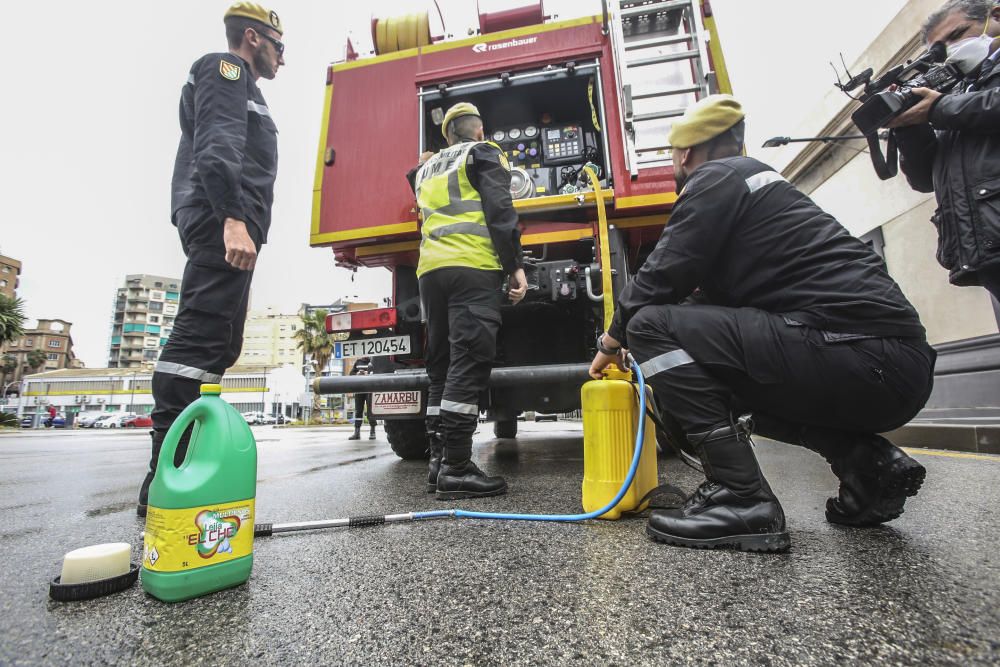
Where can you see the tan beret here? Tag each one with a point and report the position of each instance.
(251, 10)
(706, 119)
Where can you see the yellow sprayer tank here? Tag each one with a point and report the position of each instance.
(610, 422)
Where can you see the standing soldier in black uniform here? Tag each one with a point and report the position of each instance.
(363, 366)
(223, 186)
(798, 321)
(469, 240)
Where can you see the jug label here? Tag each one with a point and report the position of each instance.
(185, 539)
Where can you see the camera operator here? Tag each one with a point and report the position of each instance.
(950, 144)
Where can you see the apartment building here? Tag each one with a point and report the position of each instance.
(10, 269)
(143, 317)
(48, 346)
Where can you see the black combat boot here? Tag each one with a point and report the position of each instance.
(157, 437)
(357, 431)
(876, 477)
(434, 465)
(371, 435)
(460, 478)
(734, 507)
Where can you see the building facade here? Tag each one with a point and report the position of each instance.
(963, 323)
(144, 312)
(48, 346)
(269, 340)
(272, 391)
(10, 269)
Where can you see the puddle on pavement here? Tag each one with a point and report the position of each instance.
(328, 466)
(111, 509)
(24, 532)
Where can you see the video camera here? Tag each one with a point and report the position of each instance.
(880, 104)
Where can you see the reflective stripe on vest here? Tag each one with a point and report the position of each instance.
(454, 231)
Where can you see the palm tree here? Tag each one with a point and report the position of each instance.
(8, 364)
(11, 318)
(35, 360)
(316, 344)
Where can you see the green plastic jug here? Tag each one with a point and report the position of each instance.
(199, 522)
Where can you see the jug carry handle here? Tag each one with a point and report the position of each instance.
(194, 413)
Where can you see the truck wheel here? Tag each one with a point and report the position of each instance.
(505, 429)
(408, 438)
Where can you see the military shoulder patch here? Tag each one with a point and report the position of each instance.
(503, 161)
(229, 70)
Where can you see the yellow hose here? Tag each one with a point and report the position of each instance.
(602, 239)
(398, 33)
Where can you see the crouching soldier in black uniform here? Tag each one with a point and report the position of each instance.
(223, 186)
(469, 240)
(805, 328)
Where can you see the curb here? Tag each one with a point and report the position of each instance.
(980, 439)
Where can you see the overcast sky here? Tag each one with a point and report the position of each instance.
(90, 131)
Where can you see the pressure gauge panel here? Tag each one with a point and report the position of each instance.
(514, 133)
(499, 135)
(530, 132)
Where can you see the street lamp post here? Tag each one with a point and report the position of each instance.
(3, 396)
(263, 391)
(131, 400)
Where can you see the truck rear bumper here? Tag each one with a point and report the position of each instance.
(515, 376)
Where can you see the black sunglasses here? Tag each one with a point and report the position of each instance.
(278, 46)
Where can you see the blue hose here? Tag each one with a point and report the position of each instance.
(639, 440)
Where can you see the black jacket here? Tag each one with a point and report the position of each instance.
(491, 178)
(748, 238)
(957, 156)
(228, 153)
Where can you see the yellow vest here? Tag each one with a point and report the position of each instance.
(454, 231)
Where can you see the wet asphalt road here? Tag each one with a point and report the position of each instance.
(924, 589)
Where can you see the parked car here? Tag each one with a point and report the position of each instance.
(137, 421)
(27, 422)
(253, 418)
(87, 419)
(115, 420)
(99, 422)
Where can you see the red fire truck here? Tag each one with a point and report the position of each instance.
(582, 107)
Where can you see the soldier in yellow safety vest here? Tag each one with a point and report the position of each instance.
(470, 239)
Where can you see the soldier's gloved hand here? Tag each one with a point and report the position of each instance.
(518, 286)
(241, 253)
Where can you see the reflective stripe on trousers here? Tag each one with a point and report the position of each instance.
(187, 371)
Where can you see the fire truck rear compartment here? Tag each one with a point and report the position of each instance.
(543, 119)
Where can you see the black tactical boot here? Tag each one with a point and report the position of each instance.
(460, 478)
(876, 477)
(371, 435)
(734, 507)
(157, 437)
(357, 431)
(434, 465)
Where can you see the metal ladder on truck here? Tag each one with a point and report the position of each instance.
(662, 65)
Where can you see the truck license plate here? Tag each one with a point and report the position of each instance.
(375, 347)
(396, 403)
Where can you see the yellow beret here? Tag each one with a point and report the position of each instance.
(251, 10)
(706, 119)
(457, 111)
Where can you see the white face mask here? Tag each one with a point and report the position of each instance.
(969, 53)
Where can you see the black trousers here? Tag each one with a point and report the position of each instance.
(990, 279)
(208, 331)
(707, 362)
(462, 308)
(362, 405)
